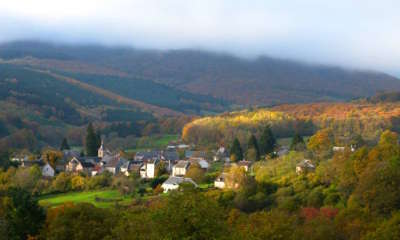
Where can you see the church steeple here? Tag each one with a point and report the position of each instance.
(100, 152)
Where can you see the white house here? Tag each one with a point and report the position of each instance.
(148, 170)
(48, 170)
(180, 168)
(220, 181)
(172, 183)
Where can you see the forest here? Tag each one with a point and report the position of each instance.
(347, 120)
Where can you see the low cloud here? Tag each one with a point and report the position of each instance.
(359, 34)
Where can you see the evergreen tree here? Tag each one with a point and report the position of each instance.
(267, 141)
(92, 144)
(297, 142)
(236, 151)
(64, 145)
(253, 151)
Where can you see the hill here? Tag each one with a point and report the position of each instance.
(347, 120)
(262, 81)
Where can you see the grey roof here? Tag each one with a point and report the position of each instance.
(182, 164)
(147, 155)
(178, 180)
(116, 161)
(170, 155)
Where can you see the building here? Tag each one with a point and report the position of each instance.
(180, 168)
(102, 151)
(305, 166)
(149, 169)
(245, 164)
(143, 156)
(220, 181)
(172, 183)
(114, 164)
(80, 165)
(222, 155)
(47, 170)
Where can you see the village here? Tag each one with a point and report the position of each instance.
(150, 164)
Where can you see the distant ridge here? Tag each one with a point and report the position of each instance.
(208, 76)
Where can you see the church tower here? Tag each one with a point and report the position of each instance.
(100, 152)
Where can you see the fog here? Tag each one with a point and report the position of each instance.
(358, 33)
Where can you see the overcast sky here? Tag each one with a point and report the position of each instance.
(353, 33)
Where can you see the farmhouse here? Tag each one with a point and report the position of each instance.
(148, 170)
(114, 164)
(48, 170)
(180, 168)
(80, 165)
(305, 166)
(172, 183)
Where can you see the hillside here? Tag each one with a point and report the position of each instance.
(262, 81)
(346, 119)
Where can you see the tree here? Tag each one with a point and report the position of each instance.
(236, 151)
(23, 215)
(82, 221)
(52, 156)
(64, 145)
(196, 173)
(92, 141)
(253, 151)
(321, 142)
(267, 141)
(189, 215)
(297, 142)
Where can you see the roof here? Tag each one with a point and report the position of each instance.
(178, 180)
(170, 155)
(306, 164)
(85, 162)
(182, 164)
(147, 155)
(115, 162)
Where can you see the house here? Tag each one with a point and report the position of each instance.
(30, 163)
(222, 155)
(149, 168)
(47, 170)
(114, 164)
(220, 181)
(338, 149)
(172, 183)
(245, 164)
(180, 168)
(80, 165)
(183, 146)
(305, 166)
(143, 156)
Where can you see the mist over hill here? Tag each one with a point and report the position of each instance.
(215, 76)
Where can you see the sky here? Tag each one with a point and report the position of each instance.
(352, 33)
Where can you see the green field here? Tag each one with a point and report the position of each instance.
(153, 142)
(101, 198)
